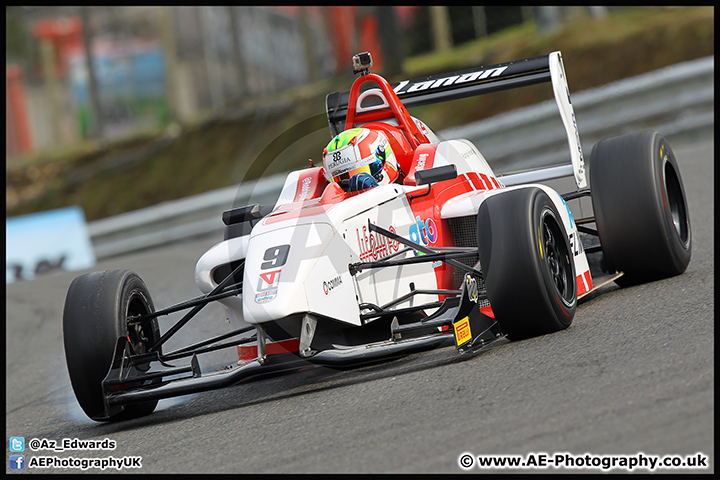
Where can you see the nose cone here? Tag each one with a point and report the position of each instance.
(277, 265)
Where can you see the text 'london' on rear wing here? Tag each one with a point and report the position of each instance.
(479, 81)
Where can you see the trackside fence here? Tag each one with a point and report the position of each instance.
(676, 100)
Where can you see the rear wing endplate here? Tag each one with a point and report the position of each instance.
(479, 81)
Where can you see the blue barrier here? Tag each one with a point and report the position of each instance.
(44, 242)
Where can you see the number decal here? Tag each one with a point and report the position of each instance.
(275, 257)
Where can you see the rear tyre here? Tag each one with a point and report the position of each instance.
(97, 306)
(527, 264)
(640, 207)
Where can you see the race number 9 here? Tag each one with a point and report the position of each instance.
(275, 257)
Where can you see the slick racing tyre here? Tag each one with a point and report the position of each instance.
(527, 264)
(97, 306)
(640, 207)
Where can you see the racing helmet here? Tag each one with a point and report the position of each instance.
(359, 150)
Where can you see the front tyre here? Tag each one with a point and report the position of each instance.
(640, 207)
(527, 264)
(97, 307)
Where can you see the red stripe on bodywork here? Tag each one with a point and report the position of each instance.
(247, 353)
(586, 286)
(294, 210)
(332, 195)
(483, 182)
(486, 180)
(487, 311)
(475, 181)
(581, 289)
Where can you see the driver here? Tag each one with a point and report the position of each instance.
(359, 158)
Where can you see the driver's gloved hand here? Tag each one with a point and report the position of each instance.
(361, 181)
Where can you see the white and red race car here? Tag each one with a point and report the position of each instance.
(445, 253)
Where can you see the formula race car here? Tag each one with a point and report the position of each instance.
(435, 250)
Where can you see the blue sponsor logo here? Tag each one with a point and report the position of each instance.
(572, 220)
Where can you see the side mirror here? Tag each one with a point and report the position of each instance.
(437, 174)
(241, 220)
(247, 213)
(433, 175)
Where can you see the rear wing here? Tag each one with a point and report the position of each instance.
(479, 81)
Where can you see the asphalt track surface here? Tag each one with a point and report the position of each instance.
(633, 374)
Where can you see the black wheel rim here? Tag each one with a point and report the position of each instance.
(675, 204)
(557, 258)
(141, 335)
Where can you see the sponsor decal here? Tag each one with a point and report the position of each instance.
(341, 161)
(268, 286)
(304, 189)
(467, 153)
(423, 128)
(576, 246)
(422, 158)
(423, 232)
(381, 150)
(373, 246)
(579, 147)
(264, 297)
(448, 81)
(462, 331)
(332, 284)
(269, 280)
(663, 154)
(572, 220)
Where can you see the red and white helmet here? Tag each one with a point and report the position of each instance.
(359, 150)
